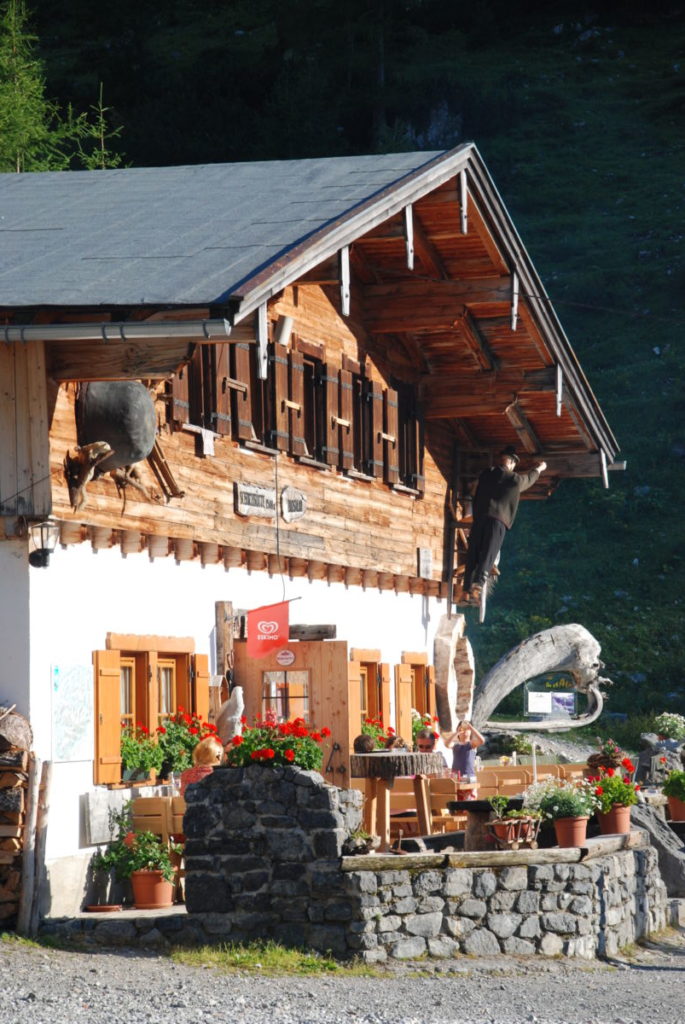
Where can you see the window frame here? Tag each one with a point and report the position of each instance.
(145, 655)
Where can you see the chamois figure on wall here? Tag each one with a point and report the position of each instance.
(116, 427)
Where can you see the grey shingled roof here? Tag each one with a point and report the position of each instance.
(175, 235)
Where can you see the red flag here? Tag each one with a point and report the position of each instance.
(267, 629)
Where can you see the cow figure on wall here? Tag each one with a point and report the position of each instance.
(116, 427)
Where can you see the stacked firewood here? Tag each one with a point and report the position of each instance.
(14, 764)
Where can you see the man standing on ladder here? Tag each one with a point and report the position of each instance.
(495, 504)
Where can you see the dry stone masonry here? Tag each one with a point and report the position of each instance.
(264, 859)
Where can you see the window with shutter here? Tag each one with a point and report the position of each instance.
(410, 438)
(221, 414)
(390, 437)
(134, 685)
(242, 400)
(332, 416)
(376, 393)
(347, 425)
(295, 404)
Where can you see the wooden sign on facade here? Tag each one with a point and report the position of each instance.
(293, 504)
(252, 500)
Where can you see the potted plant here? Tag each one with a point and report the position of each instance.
(141, 755)
(271, 742)
(567, 804)
(615, 793)
(141, 856)
(502, 826)
(670, 726)
(359, 842)
(177, 737)
(674, 789)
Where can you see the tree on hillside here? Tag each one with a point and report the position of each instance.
(34, 136)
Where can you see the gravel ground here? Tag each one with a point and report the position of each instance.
(44, 986)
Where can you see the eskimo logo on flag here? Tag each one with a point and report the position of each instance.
(267, 629)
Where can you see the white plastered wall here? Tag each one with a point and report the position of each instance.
(83, 595)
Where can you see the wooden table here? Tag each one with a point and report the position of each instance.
(477, 814)
(382, 769)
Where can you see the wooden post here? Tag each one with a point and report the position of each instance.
(223, 617)
(41, 843)
(29, 848)
(423, 808)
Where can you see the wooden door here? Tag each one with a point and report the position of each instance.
(329, 695)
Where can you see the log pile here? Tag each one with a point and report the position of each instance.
(15, 739)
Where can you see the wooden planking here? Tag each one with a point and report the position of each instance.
(95, 360)
(25, 487)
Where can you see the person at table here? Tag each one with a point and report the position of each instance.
(429, 742)
(207, 754)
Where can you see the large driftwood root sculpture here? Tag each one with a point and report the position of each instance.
(570, 649)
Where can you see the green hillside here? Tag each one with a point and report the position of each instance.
(578, 112)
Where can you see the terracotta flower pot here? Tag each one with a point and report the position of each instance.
(151, 891)
(505, 830)
(570, 831)
(676, 808)
(615, 821)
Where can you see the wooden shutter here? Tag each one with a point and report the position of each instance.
(107, 674)
(184, 686)
(376, 397)
(200, 667)
(332, 417)
(384, 694)
(221, 414)
(403, 681)
(180, 401)
(391, 446)
(298, 445)
(430, 690)
(281, 435)
(243, 399)
(419, 478)
(346, 413)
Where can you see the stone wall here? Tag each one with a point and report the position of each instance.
(264, 860)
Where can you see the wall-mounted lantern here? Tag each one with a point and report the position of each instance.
(43, 538)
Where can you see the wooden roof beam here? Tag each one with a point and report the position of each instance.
(579, 464)
(519, 422)
(477, 343)
(452, 395)
(414, 305)
(426, 251)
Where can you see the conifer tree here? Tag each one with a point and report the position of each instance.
(34, 136)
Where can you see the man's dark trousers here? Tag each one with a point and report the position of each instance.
(485, 540)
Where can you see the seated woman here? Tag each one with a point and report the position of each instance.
(429, 742)
(206, 756)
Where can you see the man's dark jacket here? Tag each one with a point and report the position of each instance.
(498, 492)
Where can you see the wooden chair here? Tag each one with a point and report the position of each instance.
(403, 808)
(442, 790)
(573, 771)
(163, 816)
(152, 814)
(512, 781)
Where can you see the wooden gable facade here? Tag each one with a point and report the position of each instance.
(373, 370)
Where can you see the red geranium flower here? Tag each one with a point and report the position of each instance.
(628, 764)
(255, 754)
(237, 740)
(289, 754)
(130, 839)
(316, 736)
(325, 731)
(269, 753)
(610, 772)
(161, 729)
(598, 790)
